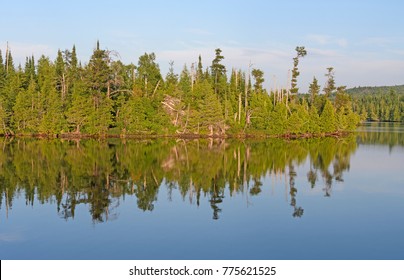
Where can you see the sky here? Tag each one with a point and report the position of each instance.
(362, 40)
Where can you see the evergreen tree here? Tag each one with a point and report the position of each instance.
(211, 116)
(300, 52)
(218, 72)
(185, 86)
(314, 121)
(26, 114)
(49, 106)
(81, 107)
(278, 119)
(314, 90)
(148, 74)
(100, 118)
(199, 71)
(9, 64)
(13, 85)
(97, 74)
(342, 99)
(61, 83)
(3, 118)
(327, 118)
(259, 79)
(261, 107)
(330, 84)
(171, 79)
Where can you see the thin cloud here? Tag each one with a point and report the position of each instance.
(327, 40)
(20, 51)
(316, 52)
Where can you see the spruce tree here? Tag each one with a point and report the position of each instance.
(50, 103)
(218, 72)
(327, 118)
(199, 71)
(314, 90)
(81, 106)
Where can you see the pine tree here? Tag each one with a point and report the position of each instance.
(300, 52)
(259, 79)
(314, 90)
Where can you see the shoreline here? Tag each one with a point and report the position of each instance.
(76, 136)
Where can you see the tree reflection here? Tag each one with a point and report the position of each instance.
(99, 174)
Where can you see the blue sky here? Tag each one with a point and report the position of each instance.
(362, 40)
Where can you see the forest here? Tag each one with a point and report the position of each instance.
(385, 104)
(106, 97)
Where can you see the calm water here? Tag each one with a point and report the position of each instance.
(200, 199)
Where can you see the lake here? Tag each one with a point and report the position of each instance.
(323, 198)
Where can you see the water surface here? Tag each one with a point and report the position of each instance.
(322, 198)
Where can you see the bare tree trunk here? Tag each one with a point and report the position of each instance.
(63, 86)
(287, 91)
(246, 95)
(7, 58)
(155, 89)
(186, 122)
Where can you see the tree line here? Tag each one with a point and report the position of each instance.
(387, 107)
(107, 97)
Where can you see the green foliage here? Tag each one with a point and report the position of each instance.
(379, 104)
(142, 116)
(278, 120)
(27, 109)
(314, 121)
(314, 90)
(300, 52)
(260, 107)
(148, 74)
(210, 115)
(259, 79)
(218, 73)
(327, 118)
(78, 113)
(107, 96)
(330, 86)
(3, 118)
